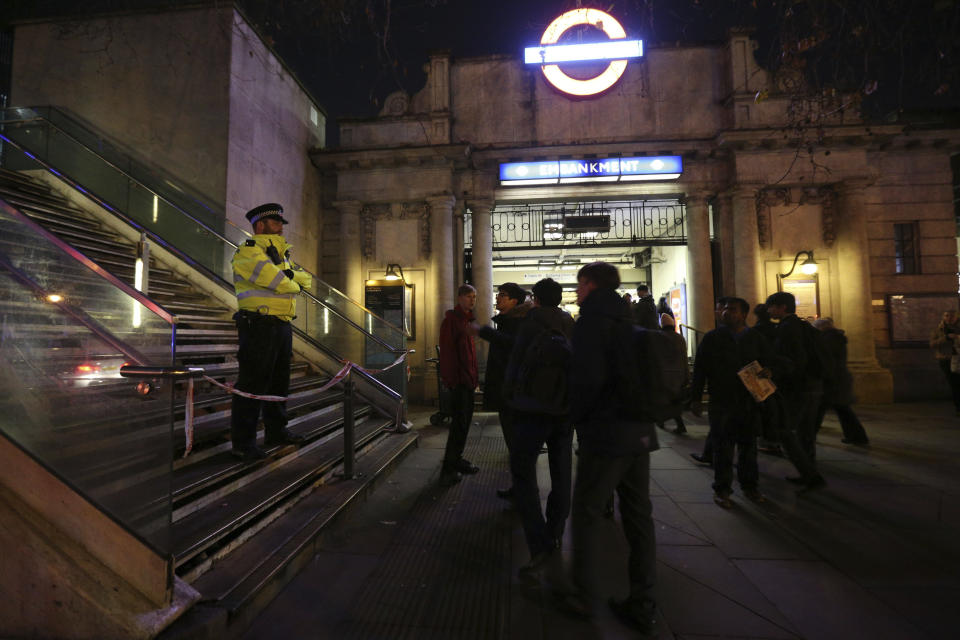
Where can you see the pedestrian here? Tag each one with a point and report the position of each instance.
(734, 414)
(800, 390)
(512, 306)
(645, 309)
(663, 307)
(944, 343)
(266, 282)
(458, 372)
(629, 299)
(706, 456)
(680, 355)
(838, 394)
(538, 370)
(614, 452)
(769, 415)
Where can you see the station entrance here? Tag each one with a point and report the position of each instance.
(645, 238)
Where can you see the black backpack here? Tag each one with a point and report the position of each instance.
(820, 362)
(543, 375)
(652, 375)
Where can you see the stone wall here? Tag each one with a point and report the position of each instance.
(155, 83)
(271, 129)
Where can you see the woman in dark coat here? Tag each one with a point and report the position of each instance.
(944, 342)
(838, 395)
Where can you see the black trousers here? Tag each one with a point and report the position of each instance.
(461, 409)
(531, 431)
(789, 413)
(264, 357)
(849, 422)
(953, 379)
(597, 478)
(734, 430)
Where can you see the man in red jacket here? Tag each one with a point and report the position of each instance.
(458, 372)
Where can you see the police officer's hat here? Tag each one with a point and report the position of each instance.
(269, 210)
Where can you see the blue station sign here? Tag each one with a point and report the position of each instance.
(591, 170)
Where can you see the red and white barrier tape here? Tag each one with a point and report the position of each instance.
(340, 375)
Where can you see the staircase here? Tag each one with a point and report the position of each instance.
(237, 530)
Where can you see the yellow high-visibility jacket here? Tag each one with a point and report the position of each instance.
(261, 285)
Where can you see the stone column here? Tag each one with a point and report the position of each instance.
(746, 245)
(441, 290)
(351, 252)
(871, 382)
(699, 262)
(482, 258)
(723, 221)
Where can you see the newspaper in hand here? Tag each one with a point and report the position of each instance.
(759, 388)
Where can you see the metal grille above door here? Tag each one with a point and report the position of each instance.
(583, 224)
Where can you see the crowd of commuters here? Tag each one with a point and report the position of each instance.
(548, 377)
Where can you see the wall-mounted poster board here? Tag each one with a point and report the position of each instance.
(914, 316)
(392, 300)
(806, 290)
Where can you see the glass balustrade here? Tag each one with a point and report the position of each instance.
(47, 139)
(65, 331)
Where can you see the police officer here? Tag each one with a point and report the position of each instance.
(267, 283)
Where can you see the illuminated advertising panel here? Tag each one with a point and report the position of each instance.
(616, 52)
(591, 170)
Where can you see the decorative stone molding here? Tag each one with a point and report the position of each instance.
(767, 198)
(369, 214)
(419, 211)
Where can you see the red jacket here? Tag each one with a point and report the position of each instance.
(458, 356)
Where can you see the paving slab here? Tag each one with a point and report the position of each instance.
(824, 604)
(872, 555)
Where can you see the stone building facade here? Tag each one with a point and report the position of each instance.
(873, 203)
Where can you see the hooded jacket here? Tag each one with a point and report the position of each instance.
(458, 354)
(597, 410)
(501, 343)
(261, 284)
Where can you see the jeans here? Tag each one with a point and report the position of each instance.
(597, 477)
(530, 432)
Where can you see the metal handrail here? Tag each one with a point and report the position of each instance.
(77, 314)
(686, 326)
(173, 249)
(213, 232)
(139, 296)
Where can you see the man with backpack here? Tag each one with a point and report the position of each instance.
(801, 388)
(615, 445)
(536, 389)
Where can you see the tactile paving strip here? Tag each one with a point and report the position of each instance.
(446, 573)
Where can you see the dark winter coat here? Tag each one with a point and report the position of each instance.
(841, 391)
(791, 343)
(720, 355)
(501, 343)
(597, 410)
(536, 321)
(458, 353)
(645, 313)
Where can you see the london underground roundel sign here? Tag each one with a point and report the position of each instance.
(617, 51)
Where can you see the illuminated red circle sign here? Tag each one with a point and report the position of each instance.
(597, 84)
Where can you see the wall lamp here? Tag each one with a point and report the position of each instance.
(808, 267)
(391, 273)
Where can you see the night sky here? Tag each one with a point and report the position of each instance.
(352, 53)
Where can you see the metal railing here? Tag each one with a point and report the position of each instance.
(48, 139)
(68, 328)
(560, 224)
